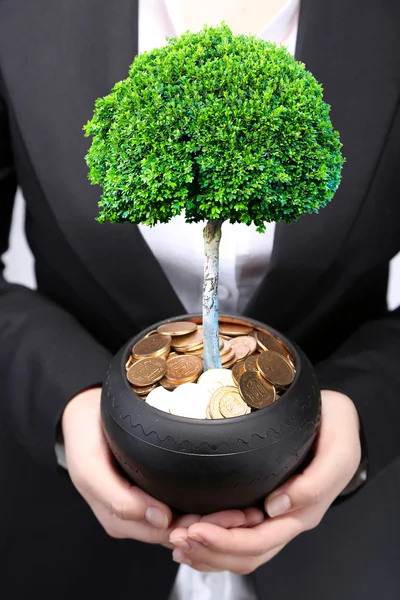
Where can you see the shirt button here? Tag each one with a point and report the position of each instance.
(223, 292)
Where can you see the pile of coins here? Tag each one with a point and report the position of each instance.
(165, 369)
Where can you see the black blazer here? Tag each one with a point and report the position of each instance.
(99, 284)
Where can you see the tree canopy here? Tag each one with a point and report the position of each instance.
(221, 126)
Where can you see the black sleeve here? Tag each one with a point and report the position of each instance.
(46, 356)
(367, 369)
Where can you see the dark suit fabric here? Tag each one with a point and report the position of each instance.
(100, 284)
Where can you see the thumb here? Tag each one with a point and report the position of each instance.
(123, 500)
(92, 469)
(316, 483)
(302, 491)
(320, 483)
(337, 456)
(229, 519)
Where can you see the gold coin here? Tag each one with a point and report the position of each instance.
(242, 350)
(151, 346)
(129, 362)
(144, 391)
(194, 348)
(226, 358)
(275, 368)
(231, 403)
(225, 348)
(172, 355)
(251, 363)
(146, 372)
(267, 341)
(255, 390)
(167, 384)
(150, 333)
(197, 352)
(184, 369)
(234, 329)
(214, 405)
(230, 364)
(248, 341)
(165, 354)
(237, 371)
(178, 328)
(192, 379)
(185, 342)
(198, 349)
(200, 346)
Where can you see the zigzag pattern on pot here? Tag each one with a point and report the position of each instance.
(188, 443)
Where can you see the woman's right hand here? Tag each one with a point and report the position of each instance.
(124, 510)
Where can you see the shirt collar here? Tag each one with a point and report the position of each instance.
(274, 31)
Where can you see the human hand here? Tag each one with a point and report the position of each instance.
(297, 506)
(124, 511)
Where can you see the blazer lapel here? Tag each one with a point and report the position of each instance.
(351, 49)
(64, 56)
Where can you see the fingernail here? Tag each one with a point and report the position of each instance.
(278, 505)
(180, 557)
(194, 545)
(197, 538)
(259, 519)
(256, 521)
(242, 523)
(156, 517)
(180, 543)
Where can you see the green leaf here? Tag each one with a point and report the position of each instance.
(222, 126)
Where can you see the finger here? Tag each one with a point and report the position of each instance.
(317, 484)
(140, 531)
(179, 528)
(184, 521)
(123, 500)
(179, 538)
(254, 516)
(137, 505)
(116, 528)
(226, 519)
(336, 459)
(235, 518)
(250, 541)
(143, 533)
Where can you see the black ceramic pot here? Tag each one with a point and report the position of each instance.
(203, 466)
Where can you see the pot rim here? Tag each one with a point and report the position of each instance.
(197, 318)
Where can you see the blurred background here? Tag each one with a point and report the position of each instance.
(19, 260)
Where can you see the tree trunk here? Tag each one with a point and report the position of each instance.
(212, 238)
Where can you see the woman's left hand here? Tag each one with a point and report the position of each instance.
(296, 506)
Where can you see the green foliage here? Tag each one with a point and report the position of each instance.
(221, 126)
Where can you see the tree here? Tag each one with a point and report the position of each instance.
(224, 127)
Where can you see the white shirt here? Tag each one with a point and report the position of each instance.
(178, 247)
